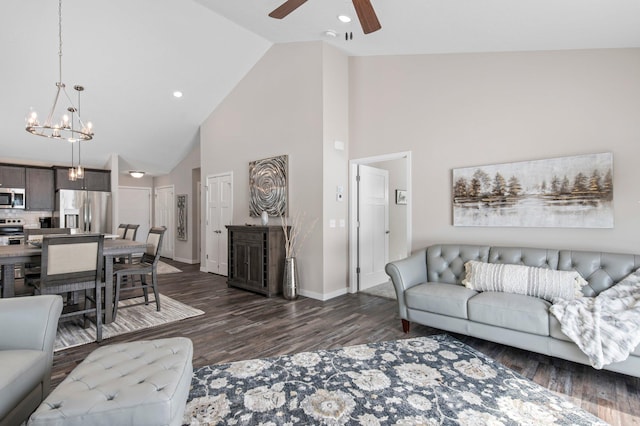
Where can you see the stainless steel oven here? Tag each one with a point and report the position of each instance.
(12, 198)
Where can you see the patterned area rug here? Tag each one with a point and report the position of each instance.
(424, 381)
(71, 333)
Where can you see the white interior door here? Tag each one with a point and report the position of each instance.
(219, 214)
(373, 232)
(135, 208)
(164, 216)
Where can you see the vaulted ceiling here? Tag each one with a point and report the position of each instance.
(132, 55)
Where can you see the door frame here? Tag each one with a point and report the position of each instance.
(205, 189)
(353, 208)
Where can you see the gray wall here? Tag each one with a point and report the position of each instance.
(464, 110)
(449, 111)
(182, 178)
(275, 110)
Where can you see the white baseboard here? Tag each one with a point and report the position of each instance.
(189, 261)
(323, 297)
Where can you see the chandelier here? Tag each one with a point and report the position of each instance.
(69, 126)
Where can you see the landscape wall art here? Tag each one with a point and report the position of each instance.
(566, 192)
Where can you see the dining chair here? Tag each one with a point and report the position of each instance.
(130, 234)
(122, 229)
(148, 265)
(31, 271)
(73, 263)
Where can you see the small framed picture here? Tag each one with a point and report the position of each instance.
(401, 196)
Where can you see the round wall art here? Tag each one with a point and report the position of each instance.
(268, 186)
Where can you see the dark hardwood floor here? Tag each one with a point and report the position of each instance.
(241, 325)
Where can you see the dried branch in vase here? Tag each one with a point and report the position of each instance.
(293, 242)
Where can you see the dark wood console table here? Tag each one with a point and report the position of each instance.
(256, 258)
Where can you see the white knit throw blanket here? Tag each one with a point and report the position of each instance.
(605, 327)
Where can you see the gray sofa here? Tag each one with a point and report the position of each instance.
(29, 326)
(429, 290)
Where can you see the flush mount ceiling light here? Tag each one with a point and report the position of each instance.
(70, 127)
(136, 174)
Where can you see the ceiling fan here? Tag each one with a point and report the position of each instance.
(366, 14)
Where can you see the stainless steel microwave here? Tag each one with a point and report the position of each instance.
(12, 198)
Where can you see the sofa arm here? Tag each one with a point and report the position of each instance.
(407, 273)
(30, 322)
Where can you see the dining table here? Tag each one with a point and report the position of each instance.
(17, 254)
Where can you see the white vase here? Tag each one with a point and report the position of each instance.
(264, 218)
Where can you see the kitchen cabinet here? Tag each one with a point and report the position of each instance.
(40, 189)
(62, 179)
(12, 177)
(256, 258)
(94, 180)
(97, 180)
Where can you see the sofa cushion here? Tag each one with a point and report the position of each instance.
(440, 298)
(20, 372)
(538, 282)
(514, 311)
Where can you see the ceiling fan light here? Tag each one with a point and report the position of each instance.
(136, 174)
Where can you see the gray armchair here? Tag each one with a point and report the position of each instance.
(29, 326)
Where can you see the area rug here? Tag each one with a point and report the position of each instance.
(385, 290)
(423, 381)
(165, 268)
(131, 319)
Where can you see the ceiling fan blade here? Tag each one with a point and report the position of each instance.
(367, 16)
(286, 8)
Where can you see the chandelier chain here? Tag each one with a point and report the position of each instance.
(60, 40)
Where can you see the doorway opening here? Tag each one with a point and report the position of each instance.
(373, 239)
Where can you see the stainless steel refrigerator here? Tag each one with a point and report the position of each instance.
(84, 211)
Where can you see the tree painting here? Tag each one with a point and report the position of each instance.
(560, 192)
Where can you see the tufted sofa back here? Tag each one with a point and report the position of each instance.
(539, 258)
(445, 262)
(601, 270)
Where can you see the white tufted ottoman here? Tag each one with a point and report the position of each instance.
(137, 383)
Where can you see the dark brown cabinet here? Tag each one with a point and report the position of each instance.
(94, 180)
(12, 177)
(62, 179)
(256, 258)
(40, 191)
(97, 180)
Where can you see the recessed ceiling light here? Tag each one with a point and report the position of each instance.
(344, 18)
(331, 33)
(177, 94)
